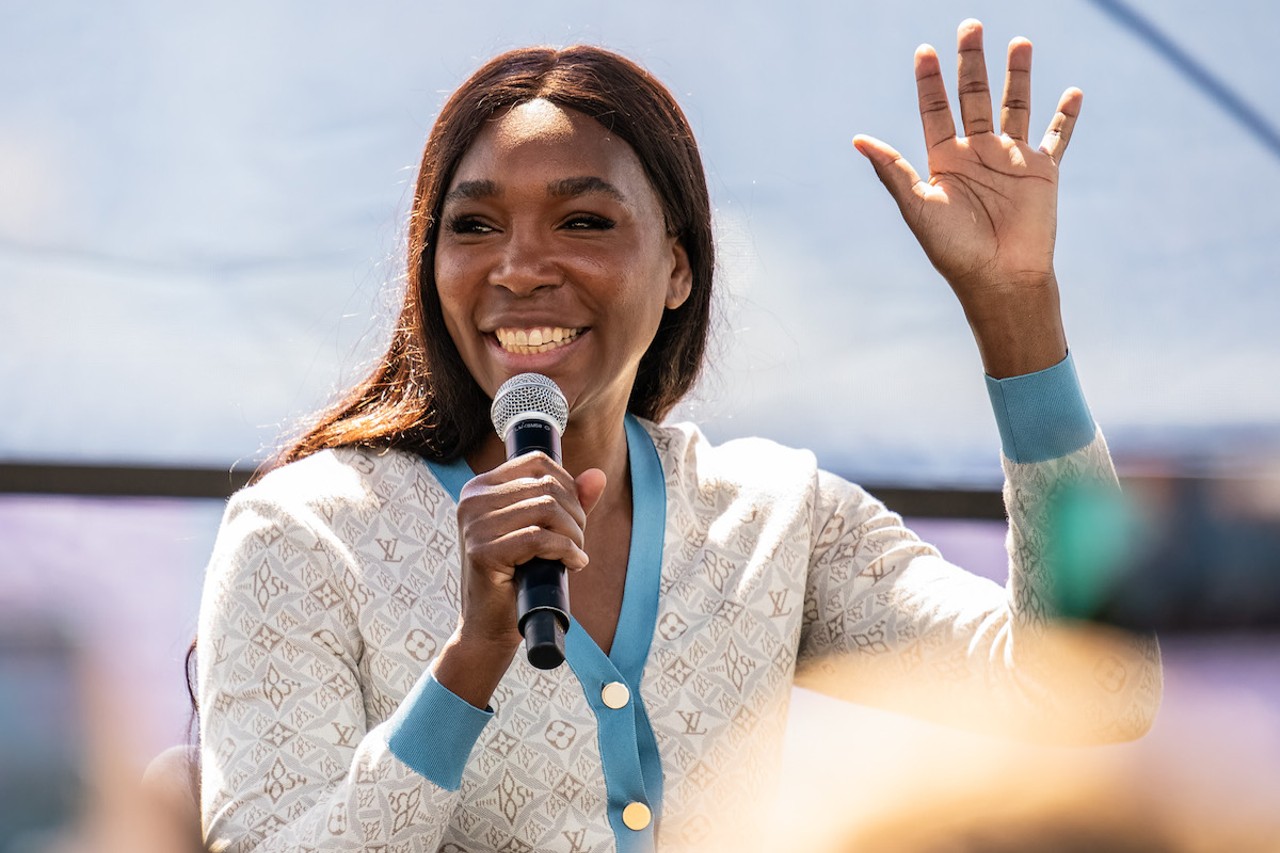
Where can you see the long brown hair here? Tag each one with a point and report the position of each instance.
(420, 396)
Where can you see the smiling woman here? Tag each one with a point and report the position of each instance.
(359, 679)
(422, 397)
(550, 222)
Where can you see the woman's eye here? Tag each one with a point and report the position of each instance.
(467, 225)
(588, 222)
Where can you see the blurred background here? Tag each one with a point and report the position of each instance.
(201, 228)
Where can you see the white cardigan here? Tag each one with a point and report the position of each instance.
(334, 581)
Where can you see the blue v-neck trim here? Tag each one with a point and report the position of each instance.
(639, 614)
(628, 748)
(452, 475)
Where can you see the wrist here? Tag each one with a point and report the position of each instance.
(1017, 327)
(471, 668)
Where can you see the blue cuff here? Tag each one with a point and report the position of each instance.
(1041, 415)
(433, 731)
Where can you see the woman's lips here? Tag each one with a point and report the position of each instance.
(533, 341)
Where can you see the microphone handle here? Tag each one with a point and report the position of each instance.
(541, 600)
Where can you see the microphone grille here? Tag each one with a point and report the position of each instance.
(527, 393)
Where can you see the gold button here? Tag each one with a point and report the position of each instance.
(615, 695)
(636, 816)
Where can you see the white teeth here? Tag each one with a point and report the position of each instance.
(529, 341)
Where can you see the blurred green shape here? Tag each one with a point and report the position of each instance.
(1094, 536)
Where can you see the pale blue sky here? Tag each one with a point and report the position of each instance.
(201, 213)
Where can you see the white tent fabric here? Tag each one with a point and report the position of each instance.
(201, 215)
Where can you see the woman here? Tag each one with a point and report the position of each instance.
(359, 681)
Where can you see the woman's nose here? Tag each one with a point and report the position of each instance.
(526, 264)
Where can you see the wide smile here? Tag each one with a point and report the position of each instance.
(535, 340)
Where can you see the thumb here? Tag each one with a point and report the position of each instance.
(898, 176)
(590, 483)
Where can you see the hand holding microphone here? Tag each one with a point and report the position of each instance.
(530, 413)
(527, 508)
(528, 512)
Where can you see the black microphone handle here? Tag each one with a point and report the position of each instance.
(542, 602)
(542, 586)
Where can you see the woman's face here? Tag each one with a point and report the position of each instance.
(553, 257)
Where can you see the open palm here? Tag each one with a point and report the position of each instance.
(987, 216)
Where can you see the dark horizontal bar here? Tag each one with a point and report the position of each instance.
(187, 482)
(921, 502)
(36, 478)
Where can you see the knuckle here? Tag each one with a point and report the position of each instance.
(540, 542)
(933, 104)
(539, 460)
(471, 491)
(544, 505)
(548, 481)
(528, 534)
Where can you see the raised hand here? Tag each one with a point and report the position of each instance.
(987, 216)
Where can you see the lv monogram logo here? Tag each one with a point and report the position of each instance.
(345, 734)
(779, 599)
(389, 547)
(577, 840)
(692, 722)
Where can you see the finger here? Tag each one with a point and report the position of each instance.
(508, 535)
(1015, 104)
(517, 547)
(490, 504)
(590, 483)
(540, 502)
(974, 91)
(532, 464)
(898, 176)
(935, 111)
(1057, 137)
(534, 470)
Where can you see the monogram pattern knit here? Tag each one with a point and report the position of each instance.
(335, 582)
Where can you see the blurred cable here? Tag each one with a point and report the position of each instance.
(1200, 76)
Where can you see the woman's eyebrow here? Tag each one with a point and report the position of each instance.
(569, 187)
(562, 188)
(473, 190)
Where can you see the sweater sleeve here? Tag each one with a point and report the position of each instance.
(289, 758)
(891, 622)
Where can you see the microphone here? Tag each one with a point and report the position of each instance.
(530, 413)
